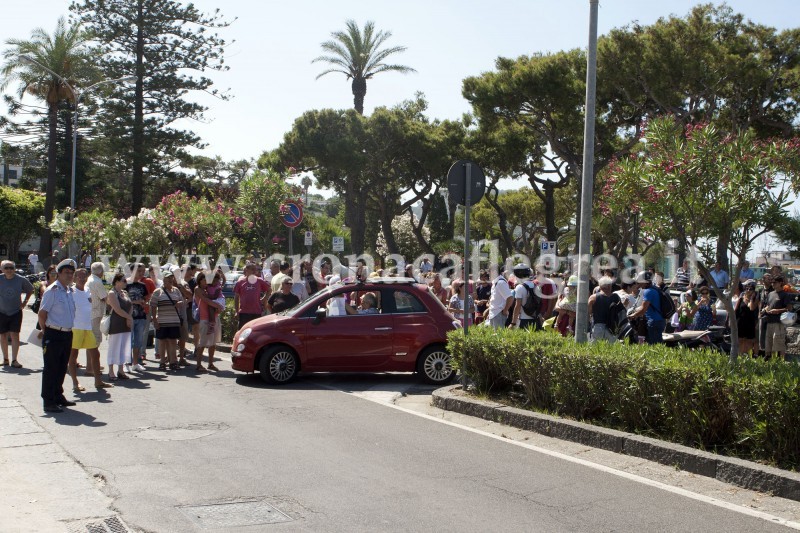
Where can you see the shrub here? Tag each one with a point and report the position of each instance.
(230, 322)
(691, 397)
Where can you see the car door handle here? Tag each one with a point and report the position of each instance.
(383, 329)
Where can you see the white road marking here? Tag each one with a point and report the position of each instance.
(627, 475)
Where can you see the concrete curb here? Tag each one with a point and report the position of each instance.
(738, 472)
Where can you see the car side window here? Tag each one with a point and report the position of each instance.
(405, 302)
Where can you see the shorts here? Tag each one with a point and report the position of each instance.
(497, 321)
(776, 338)
(208, 334)
(168, 332)
(11, 323)
(244, 318)
(83, 339)
(139, 334)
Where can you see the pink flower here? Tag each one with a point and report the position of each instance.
(209, 240)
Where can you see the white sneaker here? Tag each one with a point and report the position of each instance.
(127, 367)
(139, 368)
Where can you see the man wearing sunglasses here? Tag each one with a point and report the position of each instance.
(12, 286)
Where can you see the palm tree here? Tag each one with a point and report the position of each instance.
(65, 53)
(306, 183)
(356, 54)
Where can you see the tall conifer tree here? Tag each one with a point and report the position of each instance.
(162, 43)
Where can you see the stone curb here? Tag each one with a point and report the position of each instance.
(738, 472)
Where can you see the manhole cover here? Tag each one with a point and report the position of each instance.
(184, 432)
(234, 514)
(112, 524)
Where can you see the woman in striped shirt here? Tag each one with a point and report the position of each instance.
(165, 303)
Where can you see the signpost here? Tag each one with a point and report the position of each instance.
(292, 218)
(466, 184)
(338, 244)
(549, 247)
(309, 238)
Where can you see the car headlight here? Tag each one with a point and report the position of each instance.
(244, 334)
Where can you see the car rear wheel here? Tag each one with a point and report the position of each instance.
(435, 365)
(279, 365)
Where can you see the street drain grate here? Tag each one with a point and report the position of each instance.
(234, 514)
(112, 524)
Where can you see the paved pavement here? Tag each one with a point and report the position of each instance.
(329, 453)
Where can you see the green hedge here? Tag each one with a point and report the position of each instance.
(694, 398)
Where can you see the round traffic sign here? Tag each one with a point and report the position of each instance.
(293, 215)
(457, 182)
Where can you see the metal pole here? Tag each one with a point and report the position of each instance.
(467, 202)
(291, 242)
(74, 155)
(587, 182)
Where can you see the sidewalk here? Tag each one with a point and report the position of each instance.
(43, 488)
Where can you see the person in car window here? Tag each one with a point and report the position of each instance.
(369, 306)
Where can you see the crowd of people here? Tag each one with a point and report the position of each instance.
(76, 309)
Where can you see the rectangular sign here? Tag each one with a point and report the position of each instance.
(338, 244)
(549, 247)
(309, 238)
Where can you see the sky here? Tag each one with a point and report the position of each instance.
(272, 80)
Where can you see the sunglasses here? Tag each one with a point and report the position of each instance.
(703, 294)
(9, 268)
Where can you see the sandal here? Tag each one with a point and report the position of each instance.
(162, 366)
(79, 388)
(183, 362)
(15, 364)
(174, 367)
(103, 385)
(212, 367)
(112, 378)
(200, 369)
(122, 376)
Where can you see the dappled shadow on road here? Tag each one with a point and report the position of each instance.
(254, 381)
(74, 417)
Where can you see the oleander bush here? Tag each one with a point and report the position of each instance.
(229, 321)
(693, 397)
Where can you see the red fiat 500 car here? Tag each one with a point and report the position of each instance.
(406, 331)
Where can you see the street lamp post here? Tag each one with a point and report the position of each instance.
(76, 95)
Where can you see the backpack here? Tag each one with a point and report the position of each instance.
(533, 303)
(617, 316)
(666, 303)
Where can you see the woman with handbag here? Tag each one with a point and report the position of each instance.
(120, 327)
(165, 303)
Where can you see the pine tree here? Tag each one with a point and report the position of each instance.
(161, 42)
(438, 221)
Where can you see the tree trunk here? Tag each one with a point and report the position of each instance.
(358, 227)
(388, 234)
(359, 87)
(137, 184)
(723, 242)
(550, 212)
(45, 244)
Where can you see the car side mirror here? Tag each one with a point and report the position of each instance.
(320, 315)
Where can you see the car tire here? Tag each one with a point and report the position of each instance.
(435, 365)
(279, 365)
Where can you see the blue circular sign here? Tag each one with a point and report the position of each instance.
(294, 215)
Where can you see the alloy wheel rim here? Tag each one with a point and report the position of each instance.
(437, 366)
(282, 366)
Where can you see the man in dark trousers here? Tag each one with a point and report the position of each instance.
(56, 318)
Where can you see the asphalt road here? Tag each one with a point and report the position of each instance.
(189, 453)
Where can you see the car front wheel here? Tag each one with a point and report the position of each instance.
(278, 366)
(435, 366)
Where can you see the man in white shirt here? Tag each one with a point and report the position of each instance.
(500, 300)
(33, 261)
(98, 292)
